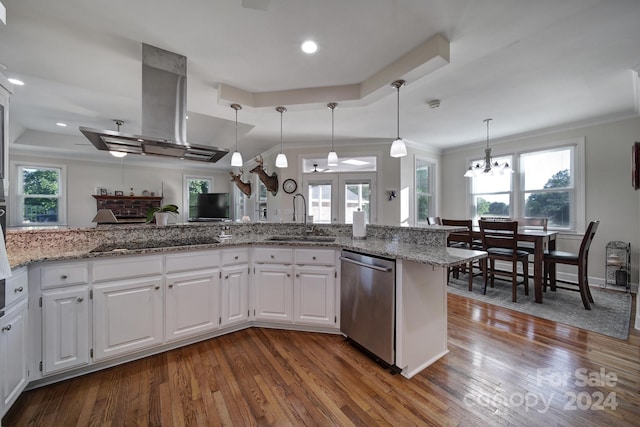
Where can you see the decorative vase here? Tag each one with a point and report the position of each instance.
(162, 218)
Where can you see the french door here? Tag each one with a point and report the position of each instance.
(332, 198)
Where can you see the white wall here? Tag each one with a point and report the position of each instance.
(84, 176)
(610, 197)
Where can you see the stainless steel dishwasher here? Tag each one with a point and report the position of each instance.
(367, 304)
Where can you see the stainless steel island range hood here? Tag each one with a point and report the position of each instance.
(164, 114)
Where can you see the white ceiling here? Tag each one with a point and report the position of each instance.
(530, 65)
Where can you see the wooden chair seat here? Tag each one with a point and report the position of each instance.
(500, 241)
(581, 260)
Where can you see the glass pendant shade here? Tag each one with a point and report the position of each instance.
(398, 147)
(281, 161)
(118, 154)
(236, 159)
(332, 158)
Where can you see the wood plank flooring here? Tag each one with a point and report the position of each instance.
(503, 368)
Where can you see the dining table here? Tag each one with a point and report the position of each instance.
(543, 240)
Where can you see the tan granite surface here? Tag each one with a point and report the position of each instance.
(425, 245)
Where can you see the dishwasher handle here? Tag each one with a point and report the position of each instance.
(362, 264)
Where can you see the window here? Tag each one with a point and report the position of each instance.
(195, 185)
(545, 184)
(320, 202)
(425, 172)
(357, 198)
(40, 195)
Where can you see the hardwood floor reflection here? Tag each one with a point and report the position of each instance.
(503, 367)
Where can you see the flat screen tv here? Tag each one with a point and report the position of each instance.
(213, 206)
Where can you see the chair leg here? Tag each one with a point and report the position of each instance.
(514, 282)
(584, 292)
(525, 273)
(470, 276)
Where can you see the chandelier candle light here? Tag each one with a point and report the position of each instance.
(490, 168)
(281, 159)
(332, 158)
(236, 158)
(398, 148)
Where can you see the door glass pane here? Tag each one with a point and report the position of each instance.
(357, 197)
(320, 203)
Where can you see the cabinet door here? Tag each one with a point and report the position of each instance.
(192, 303)
(13, 354)
(273, 290)
(235, 294)
(65, 326)
(314, 294)
(127, 316)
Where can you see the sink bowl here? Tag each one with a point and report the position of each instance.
(301, 239)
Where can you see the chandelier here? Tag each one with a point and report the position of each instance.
(490, 168)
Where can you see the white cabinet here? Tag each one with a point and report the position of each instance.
(127, 316)
(13, 354)
(192, 303)
(273, 284)
(315, 287)
(315, 293)
(235, 286)
(65, 328)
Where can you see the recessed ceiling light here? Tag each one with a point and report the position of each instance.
(16, 82)
(309, 46)
(62, 125)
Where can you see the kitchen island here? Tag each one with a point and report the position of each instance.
(175, 285)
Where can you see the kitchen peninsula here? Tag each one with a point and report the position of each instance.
(103, 296)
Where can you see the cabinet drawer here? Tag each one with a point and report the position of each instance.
(231, 256)
(273, 256)
(52, 276)
(188, 261)
(125, 267)
(16, 286)
(315, 256)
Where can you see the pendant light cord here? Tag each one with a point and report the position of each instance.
(236, 128)
(281, 132)
(398, 111)
(332, 128)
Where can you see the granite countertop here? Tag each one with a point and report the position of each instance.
(424, 254)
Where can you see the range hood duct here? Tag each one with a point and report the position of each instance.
(164, 114)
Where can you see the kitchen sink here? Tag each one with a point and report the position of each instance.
(301, 239)
(151, 244)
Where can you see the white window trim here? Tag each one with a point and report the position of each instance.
(434, 187)
(579, 177)
(13, 194)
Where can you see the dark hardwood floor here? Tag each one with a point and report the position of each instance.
(503, 368)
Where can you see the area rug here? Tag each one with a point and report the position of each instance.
(609, 315)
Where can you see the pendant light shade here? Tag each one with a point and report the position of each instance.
(332, 158)
(236, 158)
(490, 168)
(281, 159)
(398, 148)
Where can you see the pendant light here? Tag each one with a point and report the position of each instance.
(236, 158)
(398, 148)
(281, 159)
(332, 158)
(118, 154)
(490, 168)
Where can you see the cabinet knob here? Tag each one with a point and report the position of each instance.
(19, 289)
(80, 299)
(157, 287)
(236, 257)
(297, 275)
(171, 286)
(6, 328)
(272, 257)
(64, 277)
(314, 258)
(288, 275)
(226, 277)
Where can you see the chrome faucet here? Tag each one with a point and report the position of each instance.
(306, 229)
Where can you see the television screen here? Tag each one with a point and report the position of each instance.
(213, 205)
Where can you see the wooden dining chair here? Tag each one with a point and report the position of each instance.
(531, 223)
(462, 240)
(434, 220)
(581, 260)
(500, 241)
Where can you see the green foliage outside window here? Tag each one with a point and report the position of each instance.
(196, 186)
(44, 187)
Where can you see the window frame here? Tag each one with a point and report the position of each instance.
(186, 178)
(432, 185)
(16, 219)
(517, 204)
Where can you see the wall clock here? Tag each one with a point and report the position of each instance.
(289, 186)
